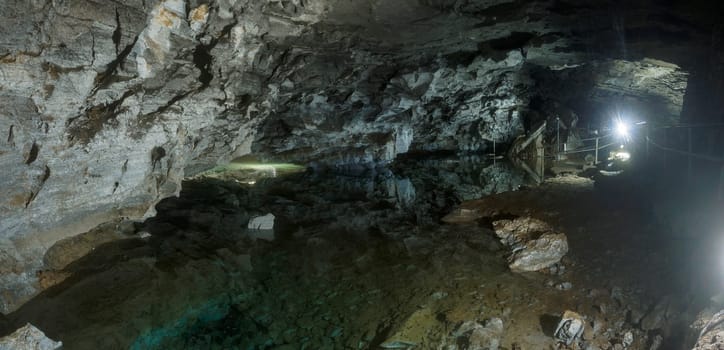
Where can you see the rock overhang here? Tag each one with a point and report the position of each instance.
(93, 90)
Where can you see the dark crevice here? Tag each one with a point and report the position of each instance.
(548, 324)
(202, 60)
(566, 8)
(83, 128)
(148, 116)
(33, 153)
(461, 58)
(30, 198)
(54, 71)
(93, 49)
(157, 153)
(513, 41)
(33, 194)
(117, 33)
(104, 79)
(282, 60)
(11, 136)
(46, 175)
(244, 102)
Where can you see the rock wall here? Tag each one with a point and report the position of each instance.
(107, 106)
(441, 107)
(110, 105)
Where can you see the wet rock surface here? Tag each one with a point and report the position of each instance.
(109, 105)
(354, 262)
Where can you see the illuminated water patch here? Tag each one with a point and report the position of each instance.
(251, 172)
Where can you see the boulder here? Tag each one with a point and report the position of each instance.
(656, 318)
(570, 328)
(540, 253)
(265, 222)
(28, 338)
(474, 336)
(534, 243)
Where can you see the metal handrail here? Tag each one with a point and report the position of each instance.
(588, 149)
(686, 153)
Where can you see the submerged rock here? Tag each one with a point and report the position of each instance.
(28, 337)
(265, 222)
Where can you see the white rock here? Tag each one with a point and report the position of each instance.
(628, 339)
(265, 222)
(479, 337)
(529, 253)
(657, 342)
(540, 253)
(712, 334)
(28, 337)
(564, 286)
(570, 328)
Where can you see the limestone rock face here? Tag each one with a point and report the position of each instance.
(107, 105)
(110, 105)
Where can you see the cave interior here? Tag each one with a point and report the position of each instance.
(362, 174)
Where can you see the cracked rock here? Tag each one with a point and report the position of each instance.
(535, 246)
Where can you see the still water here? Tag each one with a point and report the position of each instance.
(354, 261)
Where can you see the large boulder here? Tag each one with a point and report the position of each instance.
(534, 244)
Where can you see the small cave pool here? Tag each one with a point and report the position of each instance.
(405, 257)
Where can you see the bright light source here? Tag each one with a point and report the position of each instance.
(622, 156)
(622, 129)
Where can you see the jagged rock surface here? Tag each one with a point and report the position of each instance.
(711, 332)
(535, 246)
(28, 337)
(109, 105)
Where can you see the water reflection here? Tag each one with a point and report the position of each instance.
(347, 255)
